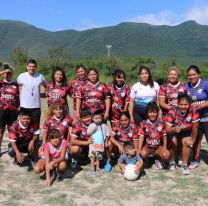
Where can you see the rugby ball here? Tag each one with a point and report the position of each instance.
(129, 173)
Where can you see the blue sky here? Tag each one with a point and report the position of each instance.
(55, 15)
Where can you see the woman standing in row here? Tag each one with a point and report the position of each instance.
(9, 100)
(168, 93)
(142, 93)
(93, 95)
(58, 89)
(197, 88)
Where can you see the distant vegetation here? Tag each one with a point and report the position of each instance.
(157, 47)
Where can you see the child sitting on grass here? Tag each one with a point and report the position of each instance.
(55, 157)
(99, 133)
(130, 157)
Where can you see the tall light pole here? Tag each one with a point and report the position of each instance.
(108, 47)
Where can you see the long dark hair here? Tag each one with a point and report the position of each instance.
(150, 80)
(117, 73)
(195, 68)
(64, 79)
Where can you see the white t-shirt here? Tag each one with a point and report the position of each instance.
(30, 89)
(142, 94)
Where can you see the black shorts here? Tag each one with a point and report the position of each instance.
(35, 114)
(22, 147)
(180, 135)
(7, 117)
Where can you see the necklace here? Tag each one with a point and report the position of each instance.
(31, 81)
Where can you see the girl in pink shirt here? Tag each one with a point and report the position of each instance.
(56, 156)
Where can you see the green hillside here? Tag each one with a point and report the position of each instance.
(187, 41)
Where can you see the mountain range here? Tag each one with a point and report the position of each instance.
(188, 41)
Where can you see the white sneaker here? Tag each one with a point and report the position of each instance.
(180, 162)
(73, 163)
(185, 170)
(172, 166)
(158, 164)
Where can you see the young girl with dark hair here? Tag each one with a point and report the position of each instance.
(120, 95)
(58, 89)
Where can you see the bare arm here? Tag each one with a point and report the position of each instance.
(47, 169)
(163, 104)
(107, 108)
(120, 147)
(141, 140)
(78, 105)
(44, 137)
(19, 156)
(77, 142)
(131, 109)
(126, 106)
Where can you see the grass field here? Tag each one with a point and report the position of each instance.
(22, 187)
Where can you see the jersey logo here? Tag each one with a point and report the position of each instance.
(130, 134)
(199, 91)
(122, 94)
(100, 88)
(159, 129)
(64, 123)
(175, 95)
(194, 98)
(188, 119)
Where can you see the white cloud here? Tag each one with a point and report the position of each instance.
(163, 18)
(199, 13)
(88, 24)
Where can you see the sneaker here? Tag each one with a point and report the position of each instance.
(99, 170)
(185, 170)
(107, 167)
(180, 162)
(73, 163)
(93, 172)
(159, 164)
(59, 177)
(172, 166)
(43, 176)
(194, 164)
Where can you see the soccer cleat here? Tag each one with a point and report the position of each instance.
(185, 170)
(194, 164)
(172, 166)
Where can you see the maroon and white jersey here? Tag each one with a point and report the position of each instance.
(125, 134)
(119, 97)
(93, 96)
(79, 131)
(61, 124)
(74, 86)
(170, 92)
(20, 134)
(9, 95)
(57, 92)
(175, 117)
(153, 133)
